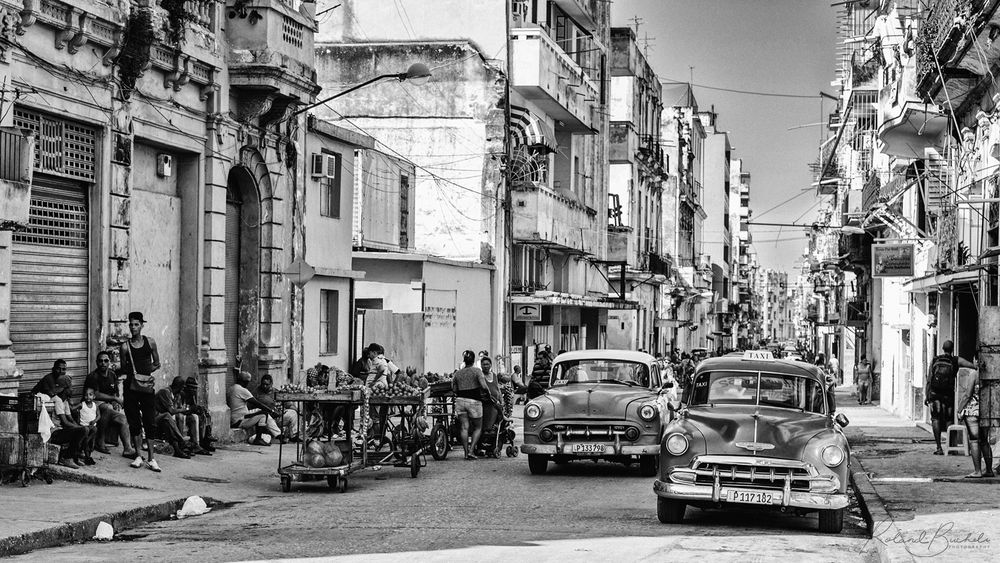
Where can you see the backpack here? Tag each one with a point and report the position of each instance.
(942, 381)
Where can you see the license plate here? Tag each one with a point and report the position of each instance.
(588, 448)
(750, 497)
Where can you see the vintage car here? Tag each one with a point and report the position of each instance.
(601, 404)
(755, 431)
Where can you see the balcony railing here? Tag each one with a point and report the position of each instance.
(939, 36)
(546, 218)
(545, 74)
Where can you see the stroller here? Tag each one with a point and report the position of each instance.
(493, 439)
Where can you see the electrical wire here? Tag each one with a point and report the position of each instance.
(747, 92)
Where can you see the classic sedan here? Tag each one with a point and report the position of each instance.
(755, 431)
(601, 404)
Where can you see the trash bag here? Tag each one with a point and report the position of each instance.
(104, 532)
(193, 506)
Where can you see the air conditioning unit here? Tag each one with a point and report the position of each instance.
(324, 165)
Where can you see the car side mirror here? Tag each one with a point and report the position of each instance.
(841, 420)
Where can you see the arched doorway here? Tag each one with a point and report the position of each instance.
(242, 274)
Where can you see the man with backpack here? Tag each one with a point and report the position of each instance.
(941, 390)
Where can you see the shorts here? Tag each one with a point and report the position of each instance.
(942, 408)
(989, 403)
(470, 407)
(140, 410)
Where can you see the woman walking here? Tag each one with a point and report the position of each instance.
(139, 359)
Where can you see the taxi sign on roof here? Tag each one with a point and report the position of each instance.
(757, 355)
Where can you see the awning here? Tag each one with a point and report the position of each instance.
(936, 282)
(529, 131)
(567, 300)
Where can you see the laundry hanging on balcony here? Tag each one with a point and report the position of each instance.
(529, 131)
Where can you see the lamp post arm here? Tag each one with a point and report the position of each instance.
(348, 91)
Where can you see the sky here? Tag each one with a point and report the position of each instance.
(773, 46)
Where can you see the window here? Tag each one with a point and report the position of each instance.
(329, 191)
(763, 389)
(329, 309)
(404, 211)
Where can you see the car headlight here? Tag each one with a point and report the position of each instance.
(833, 456)
(677, 444)
(532, 411)
(647, 412)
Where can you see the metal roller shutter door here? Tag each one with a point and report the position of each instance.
(50, 282)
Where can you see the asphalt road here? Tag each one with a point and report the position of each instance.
(488, 509)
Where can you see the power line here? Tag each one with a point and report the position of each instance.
(747, 92)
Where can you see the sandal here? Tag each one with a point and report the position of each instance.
(973, 476)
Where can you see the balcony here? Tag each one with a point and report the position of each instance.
(623, 142)
(17, 151)
(271, 53)
(582, 12)
(945, 52)
(545, 74)
(912, 128)
(543, 217)
(651, 155)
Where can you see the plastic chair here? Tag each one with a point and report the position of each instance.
(958, 440)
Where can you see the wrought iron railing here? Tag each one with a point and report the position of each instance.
(944, 17)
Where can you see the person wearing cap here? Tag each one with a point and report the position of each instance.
(104, 381)
(66, 431)
(139, 359)
(198, 420)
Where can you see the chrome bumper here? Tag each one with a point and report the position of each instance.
(784, 497)
(609, 449)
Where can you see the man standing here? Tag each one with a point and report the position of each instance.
(864, 377)
(941, 390)
(139, 359)
(834, 367)
(469, 384)
(104, 381)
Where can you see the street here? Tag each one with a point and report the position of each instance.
(489, 509)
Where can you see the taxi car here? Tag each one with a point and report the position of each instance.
(755, 431)
(600, 404)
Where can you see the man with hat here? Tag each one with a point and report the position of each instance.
(139, 359)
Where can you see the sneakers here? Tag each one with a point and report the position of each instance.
(136, 463)
(153, 466)
(68, 463)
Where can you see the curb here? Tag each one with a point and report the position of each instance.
(85, 529)
(77, 476)
(877, 517)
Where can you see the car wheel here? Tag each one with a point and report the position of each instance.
(831, 521)
(648, 464)
(537, 464)
(670, 511)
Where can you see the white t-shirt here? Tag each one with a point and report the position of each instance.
(238, 396)
(87, 414)
(834, 365)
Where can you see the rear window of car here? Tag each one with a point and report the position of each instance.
(758, 388)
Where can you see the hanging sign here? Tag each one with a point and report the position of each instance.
(892, 260)
(527, 312)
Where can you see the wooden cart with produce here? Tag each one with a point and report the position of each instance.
(323, 453)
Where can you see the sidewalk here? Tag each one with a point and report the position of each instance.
(69, 509)
(921, 504)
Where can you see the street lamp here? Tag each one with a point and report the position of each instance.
(418, 73)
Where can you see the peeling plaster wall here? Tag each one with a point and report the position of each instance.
(441, 126)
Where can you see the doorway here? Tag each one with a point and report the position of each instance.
(242, 278)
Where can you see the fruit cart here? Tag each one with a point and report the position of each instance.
(23, 453)
(305, 464)
(397, 433)
(444, 425)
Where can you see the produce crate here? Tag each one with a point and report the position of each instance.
(417, 399)
(440, 388)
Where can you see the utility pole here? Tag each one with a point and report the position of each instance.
(637, 21)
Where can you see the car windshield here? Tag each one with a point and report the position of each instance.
(741, 388)
(608, 371)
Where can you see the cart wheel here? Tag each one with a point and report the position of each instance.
(511, 451)
(286, 483)
(47, 477)
(439, 442)
(414, 465)
(333, 481)
(342, 486)
(25, 478)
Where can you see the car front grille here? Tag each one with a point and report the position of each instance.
(753, 472)
(590, 432)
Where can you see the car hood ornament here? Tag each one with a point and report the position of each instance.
(754, 446)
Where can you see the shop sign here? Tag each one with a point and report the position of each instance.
(527, 312)
(892, 260)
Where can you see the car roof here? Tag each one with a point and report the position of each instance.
(627, 355)
(791, 367)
